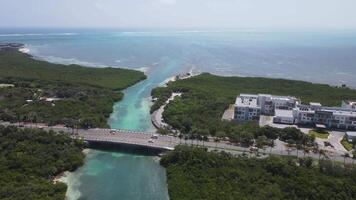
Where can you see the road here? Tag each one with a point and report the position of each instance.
(165, 142)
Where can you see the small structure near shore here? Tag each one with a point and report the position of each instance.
(4, 85)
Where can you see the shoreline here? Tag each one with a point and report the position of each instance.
(62, 177)
(66, 177)
(156, 116)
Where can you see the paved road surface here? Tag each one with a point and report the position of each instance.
(169, 142)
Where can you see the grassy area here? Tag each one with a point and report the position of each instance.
(85, 96)
(194, 173)
(205, 97)
(20, 65)
(319, 134)
(347, 145)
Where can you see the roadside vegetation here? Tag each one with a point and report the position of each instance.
(319, 134)
(347, 145)
(205, 97)
(31, 158)
(194, 173)
(43, 92)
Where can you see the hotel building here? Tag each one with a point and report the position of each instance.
(289, 110)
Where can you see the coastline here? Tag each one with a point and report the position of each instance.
(156, 116)
(68, 178)
(62, 177)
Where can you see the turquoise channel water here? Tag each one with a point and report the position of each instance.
(125, 175)
(317, 56)
(117, 176)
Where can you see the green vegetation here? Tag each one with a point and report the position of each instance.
(347, 145)
(29, 160)
(196, 174)
(16, 64)
(319, 134)
(84, 97)
(205, 97)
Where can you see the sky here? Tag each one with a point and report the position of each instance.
(179, 13)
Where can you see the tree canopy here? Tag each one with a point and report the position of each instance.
(30, 158)
(196, 174)
(82, 96)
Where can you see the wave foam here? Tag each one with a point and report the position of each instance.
(24, 50)
(36, 34)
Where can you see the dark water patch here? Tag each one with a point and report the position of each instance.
(125, 148)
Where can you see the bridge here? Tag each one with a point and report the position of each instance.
(165, 142)
(126, 137)
(117, 136)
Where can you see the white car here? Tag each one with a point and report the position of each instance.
(150, 141)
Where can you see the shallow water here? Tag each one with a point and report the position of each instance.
(114, 175)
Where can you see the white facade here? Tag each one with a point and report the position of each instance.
(288, 110)
(283, 116)
(249, 107)
(331, 117)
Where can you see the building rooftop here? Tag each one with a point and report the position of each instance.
(283, 113)
(315, 104)
(249, 95)
(265, 95)
(341, 112)
(246, 102)
(285, 98)
(351, 133)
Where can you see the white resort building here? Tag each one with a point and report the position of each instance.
(289, 110)
(249, 107)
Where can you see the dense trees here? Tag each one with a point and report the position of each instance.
(16, 64)
(85, 96)
(30, 158)
(196, 174)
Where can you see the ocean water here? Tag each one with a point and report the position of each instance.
(316, 56)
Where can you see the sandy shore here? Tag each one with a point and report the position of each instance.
(71, 181)
(62, 177)
(156, 117)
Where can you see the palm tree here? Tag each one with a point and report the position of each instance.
(321, 153)
(271, 144)
(346, 155)
(216, 140)
(305, 151)
(205, 138)
(299, 146)
(18, 118)
(180, 138)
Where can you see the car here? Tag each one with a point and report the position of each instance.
(154, 136)
(150, 141)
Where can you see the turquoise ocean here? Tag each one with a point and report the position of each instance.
(316, 56)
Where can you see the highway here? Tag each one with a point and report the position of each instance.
(165, 142)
